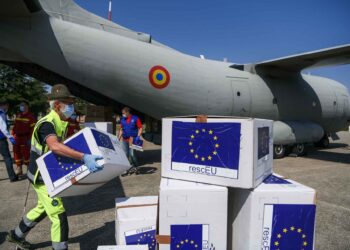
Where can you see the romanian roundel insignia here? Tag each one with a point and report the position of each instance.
(159, 77)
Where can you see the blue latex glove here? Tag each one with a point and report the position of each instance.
(91, 162)
(12, 140)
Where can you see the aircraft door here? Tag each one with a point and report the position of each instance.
(242, 99)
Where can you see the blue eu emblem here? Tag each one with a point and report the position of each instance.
(292, 227)
(273, 179)
(102, 140)
(206, 144)
(59, 166)
(189, 237)
(144, 238)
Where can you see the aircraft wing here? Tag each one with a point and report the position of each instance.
(326, 57)
(18, 8)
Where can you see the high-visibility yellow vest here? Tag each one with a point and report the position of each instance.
(60, 129)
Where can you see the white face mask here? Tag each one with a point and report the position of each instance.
(68, 110)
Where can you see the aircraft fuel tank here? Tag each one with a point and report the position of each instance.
(292, 132)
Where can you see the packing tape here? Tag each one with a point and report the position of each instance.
(202, 118)
(163, 239)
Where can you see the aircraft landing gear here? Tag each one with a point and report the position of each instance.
(299, 149)
(323, 143)
(279, 151)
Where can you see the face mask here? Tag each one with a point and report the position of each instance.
(21, 108)
(124, 115)
(74, 116)
(68, 110)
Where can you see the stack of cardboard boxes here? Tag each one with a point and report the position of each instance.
(218, 191)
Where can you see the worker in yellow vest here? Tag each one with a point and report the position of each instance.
(48, 134)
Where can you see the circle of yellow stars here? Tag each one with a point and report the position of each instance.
(152, 244)
(188, 242)
(203, 158)
(285, 231)
(65, 167)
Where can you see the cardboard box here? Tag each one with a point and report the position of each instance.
(140, 247)
(68, 177)
(278, 214)
(192, 215)
(136, 220)
(233, 152)
(106, 127)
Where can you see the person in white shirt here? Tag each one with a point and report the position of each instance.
(4, 146)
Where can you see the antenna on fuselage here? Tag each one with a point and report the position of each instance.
(110, 11)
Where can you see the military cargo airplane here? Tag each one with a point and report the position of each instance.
(57, 41)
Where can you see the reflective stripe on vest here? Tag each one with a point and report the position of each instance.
(60, 129)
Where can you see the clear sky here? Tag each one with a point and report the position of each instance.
(242, 31)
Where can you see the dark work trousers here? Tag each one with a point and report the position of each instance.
(5, 152)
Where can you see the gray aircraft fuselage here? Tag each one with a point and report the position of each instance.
(118, 67)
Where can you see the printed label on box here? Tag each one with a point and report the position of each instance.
(142, 236)
(63, 169)
(287, 226)
(190, 237)
(206, 148)
(263, 142)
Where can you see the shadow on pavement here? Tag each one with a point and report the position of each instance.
(147, 170)
(148, 156)
(2, 237)
(98, 200)
(330, 156)
(91, 240)
(99, 236)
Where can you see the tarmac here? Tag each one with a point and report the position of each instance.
(91, 217)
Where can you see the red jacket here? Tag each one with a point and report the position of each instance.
(24, 125)
(73, 127)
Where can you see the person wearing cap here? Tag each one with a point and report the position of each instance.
(4, 136)
(48, 134)
(22, 132)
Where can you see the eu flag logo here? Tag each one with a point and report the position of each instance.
(292, 226)
(102, 140)
(143, 238)
(59, 166)
(273, 179)
(206, 144)
(189, 237)
(263, 142)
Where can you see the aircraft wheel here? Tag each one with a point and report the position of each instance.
(279, 151)
(323, 143)
(299, 149)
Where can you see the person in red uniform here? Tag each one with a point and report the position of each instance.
(130, 127)
(73, 125)
(22, 132)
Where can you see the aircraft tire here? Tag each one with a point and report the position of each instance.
(323, 143)
(279, 151)
(299, 149)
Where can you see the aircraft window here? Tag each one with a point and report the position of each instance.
(238, 93)
(334, 103)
